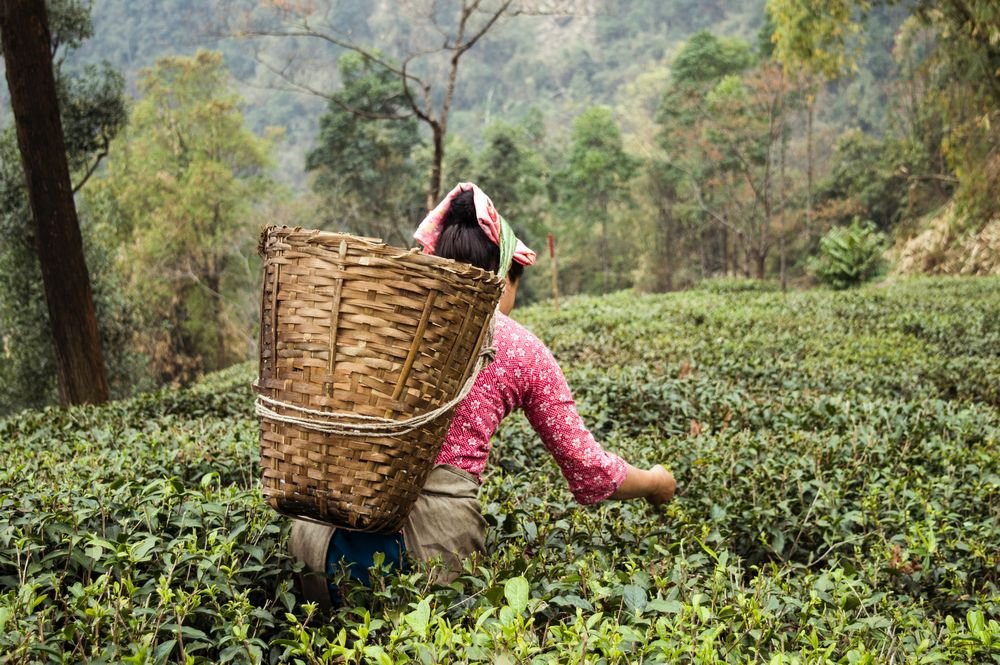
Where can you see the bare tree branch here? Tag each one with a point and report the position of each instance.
(296, 86)
(701, 201)
(475, 19)
(462, 48)
(105, 146)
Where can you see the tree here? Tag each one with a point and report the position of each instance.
(688, 165)
(92, 111)
(705, 58)
(967, 54)
(596, 177)
(182, 187)
(723, 132)
(745, 128)
(812, 39)
(512, 172)
(366, 170)
(662, 189)
(458, 27)
(816, 35)
(27, 49)
(660, 265)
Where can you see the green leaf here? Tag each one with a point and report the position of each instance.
(635, 597)
(418, 618)
(141, 551)
(163, 651)
(515, 590)
(665, 606)
(194, 633)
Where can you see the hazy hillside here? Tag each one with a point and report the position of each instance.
(557, 64)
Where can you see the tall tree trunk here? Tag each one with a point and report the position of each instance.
(784, 194)
(24, 32)
(783, 260)
(666, 252)
(724, 248)
(434, 187)
(810, 114)
(605, 260)
(702, 253)
(213, 282)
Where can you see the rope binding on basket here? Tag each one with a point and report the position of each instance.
(368, 426)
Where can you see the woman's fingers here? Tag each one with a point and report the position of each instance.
(665, 488)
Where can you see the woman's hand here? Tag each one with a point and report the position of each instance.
(665, 486)
(656, 485)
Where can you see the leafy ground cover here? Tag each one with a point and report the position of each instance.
(840, 502)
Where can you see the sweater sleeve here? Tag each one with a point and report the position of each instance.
(593, 473)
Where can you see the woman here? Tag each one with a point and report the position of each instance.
(446, 522)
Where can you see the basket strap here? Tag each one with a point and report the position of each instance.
(353, 424)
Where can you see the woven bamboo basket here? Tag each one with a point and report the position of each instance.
(365, 349)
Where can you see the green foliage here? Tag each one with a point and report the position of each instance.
(869, 179)
(737, 285)
(706, 58)
(840, 482)
(593, 181)
(510, 169)
(364, 163)
(968, 50)
(723, 130)
(598, 164)
(180, 192)
(964, 58)
(815, 34)
(849, 255)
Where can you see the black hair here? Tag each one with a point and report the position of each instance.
(463, 240)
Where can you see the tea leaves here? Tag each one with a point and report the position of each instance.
(839, 502)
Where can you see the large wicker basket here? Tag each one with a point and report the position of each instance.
(364, 351)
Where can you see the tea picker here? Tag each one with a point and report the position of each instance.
(384, 374)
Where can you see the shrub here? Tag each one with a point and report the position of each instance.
(849, 255)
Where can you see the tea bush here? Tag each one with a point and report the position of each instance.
(839, 502)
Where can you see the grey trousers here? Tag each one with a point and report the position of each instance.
(445, 526)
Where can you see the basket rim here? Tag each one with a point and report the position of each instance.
(326, 239)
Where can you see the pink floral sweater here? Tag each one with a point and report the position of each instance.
(525, 375)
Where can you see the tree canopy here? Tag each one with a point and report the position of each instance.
(180, 189)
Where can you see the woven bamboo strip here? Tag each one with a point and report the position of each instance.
(274, 315)
(334, 319)
(418, 336)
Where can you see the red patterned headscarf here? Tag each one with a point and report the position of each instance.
(490, 221)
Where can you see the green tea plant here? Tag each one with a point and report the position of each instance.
(839, 502)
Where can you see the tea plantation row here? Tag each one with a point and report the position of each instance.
(839, 502)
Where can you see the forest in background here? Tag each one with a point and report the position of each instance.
(661, 143)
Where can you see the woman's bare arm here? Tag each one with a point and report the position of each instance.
(657, 485)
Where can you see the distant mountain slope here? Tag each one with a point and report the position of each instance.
(558, 64)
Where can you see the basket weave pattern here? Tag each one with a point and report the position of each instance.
(368, 332)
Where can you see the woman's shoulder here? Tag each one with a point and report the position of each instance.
(509, 330)
(515, 342)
